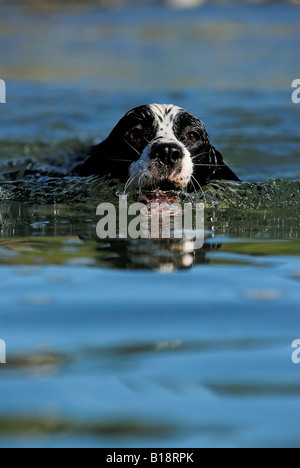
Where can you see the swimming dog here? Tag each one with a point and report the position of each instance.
(155, 147)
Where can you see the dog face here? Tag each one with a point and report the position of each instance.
(166, 160)
(158, 147)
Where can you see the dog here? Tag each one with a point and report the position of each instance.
(158, 147)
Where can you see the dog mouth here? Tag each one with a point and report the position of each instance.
(163, 177)
(160, 196)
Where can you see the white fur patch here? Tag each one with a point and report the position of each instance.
(143, 172)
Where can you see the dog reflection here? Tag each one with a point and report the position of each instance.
(160, 255)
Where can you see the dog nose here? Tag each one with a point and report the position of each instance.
(167, 153)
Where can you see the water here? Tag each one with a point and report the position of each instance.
(149, 343)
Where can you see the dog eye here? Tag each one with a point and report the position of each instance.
(135, 134)
(192, 136)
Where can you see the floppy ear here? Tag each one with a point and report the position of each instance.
(97, 161)
(219, 170)
(102, 161)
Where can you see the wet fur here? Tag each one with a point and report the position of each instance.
(132, 161)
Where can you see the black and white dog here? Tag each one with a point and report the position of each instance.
(158, 146)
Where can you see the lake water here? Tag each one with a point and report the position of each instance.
(149, 343)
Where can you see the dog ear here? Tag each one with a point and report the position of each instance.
(95, 161)
(219, 170)
(102, 161)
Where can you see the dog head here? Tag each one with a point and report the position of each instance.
(158, 147)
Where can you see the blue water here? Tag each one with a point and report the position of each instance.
(149, 343)
(161, 352)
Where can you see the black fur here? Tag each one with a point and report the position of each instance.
(115, 154)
